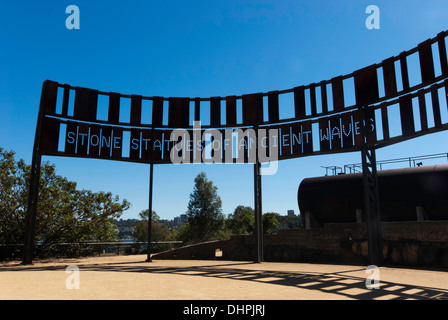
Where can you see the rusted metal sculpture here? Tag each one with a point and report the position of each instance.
(322, 124)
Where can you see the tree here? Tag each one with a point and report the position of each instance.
(159, 232)
(64, 214)
(241, 221)
(290, 222)
(204, 213)
(270, 222)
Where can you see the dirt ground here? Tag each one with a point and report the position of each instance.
(130, 277)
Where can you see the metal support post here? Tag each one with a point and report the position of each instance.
(151, 178)
(33, 195)
(260, 215)
(258, 210)
(371, 202)
(30, 219)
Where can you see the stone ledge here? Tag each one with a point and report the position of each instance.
(404, 243)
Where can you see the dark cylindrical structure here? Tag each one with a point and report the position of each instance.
(401, 191)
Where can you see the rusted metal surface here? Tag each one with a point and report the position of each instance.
(407, 116)
(313, 99)
(385, 121)
(436, 106)
(114, 108)
(346, 130)
(336, 133)
(324, 98)
(426, 61)
(95, 141)
(136, 110)
(197, 109)
(65, 100)
(324, 134)
(422, 110)
(49, 139)
(215, 111)
(299, 102)
(404, 71)
(442, 53)
(253, 109)
(390, 79)
(136, 144)
(338, 93)
(86, 102)
(157, 111)
(371, 126)
(179, 112)
(231, 110)
(366, 85)
(50, 98)
(82, 141)
(273, 106)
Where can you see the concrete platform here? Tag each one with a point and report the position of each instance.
(130, 277)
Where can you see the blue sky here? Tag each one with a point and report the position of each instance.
(198, 48)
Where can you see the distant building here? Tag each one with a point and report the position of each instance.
(291, 213)
(164, 221)
(180, 220)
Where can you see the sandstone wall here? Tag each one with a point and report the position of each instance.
(404, 243)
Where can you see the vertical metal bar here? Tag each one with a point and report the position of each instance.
(231, 110)
(151, 179)
(215, 111)
(442, 53)
(366, 85)
(30, 219)
(371, 203)
(422, 109)
(151, 184)
(157, 111)
(273, 106)
(252, 109)
(136, 110)
(426, 61)
(256, 260)
(258, 218)
(258, 211)
(371, 199)
(337, 86)
(114, 108)
(313, 99)
(324, 99)
(390, 80)
(65, 100)
(404, 71)
(197, 109)
(299, 102)
(406, 115)
(436, 106)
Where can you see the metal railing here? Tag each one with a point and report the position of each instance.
(80, 249)
(416, 161)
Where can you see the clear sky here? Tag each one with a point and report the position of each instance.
(198, 49)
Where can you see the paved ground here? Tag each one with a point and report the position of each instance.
(129, 277)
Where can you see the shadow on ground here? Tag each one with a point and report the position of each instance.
(340, 283)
